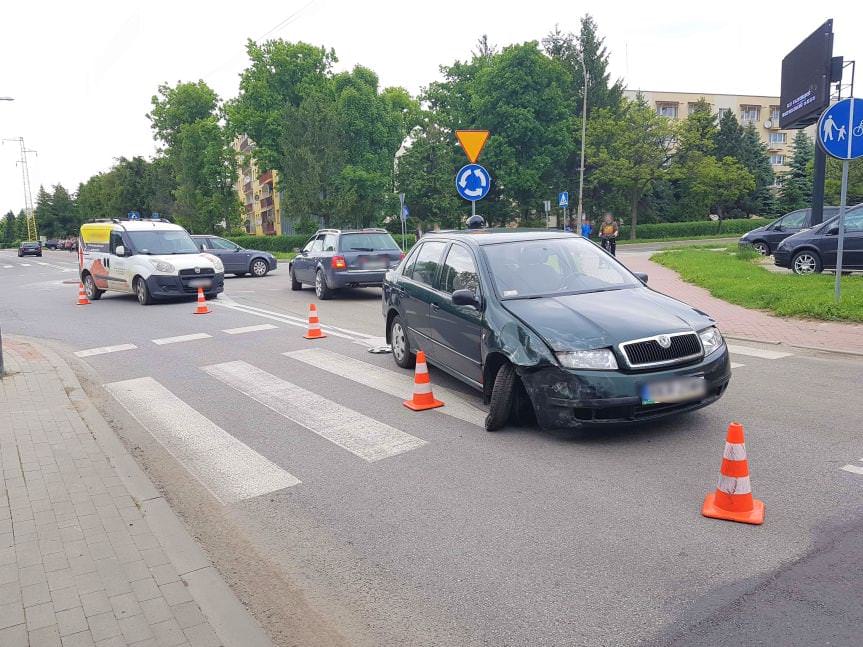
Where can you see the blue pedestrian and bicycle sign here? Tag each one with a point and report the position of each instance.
(472, 182)
(840, 129)
(563, 199)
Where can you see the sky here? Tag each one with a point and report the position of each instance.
(82, 73)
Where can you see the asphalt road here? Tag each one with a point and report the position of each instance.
(341, 517)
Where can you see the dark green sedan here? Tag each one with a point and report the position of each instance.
(549, 325)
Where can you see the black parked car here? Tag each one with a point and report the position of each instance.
(30, 248)
(237, 260)
(815, 250)
(549, 319)
(52, 243)
(766, 239)
(337, 258)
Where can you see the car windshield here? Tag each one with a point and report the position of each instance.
(554, 267)
(174, 241)
(367, 242)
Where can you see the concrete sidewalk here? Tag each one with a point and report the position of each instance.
(755, 325)
(90, 553)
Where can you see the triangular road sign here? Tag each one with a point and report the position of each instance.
(472, 142)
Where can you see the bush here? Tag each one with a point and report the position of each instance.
(290, 243)
(694, 228)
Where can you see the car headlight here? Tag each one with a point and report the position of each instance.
(711, 340)
(164, 267)
(597, 359)
(216, 261)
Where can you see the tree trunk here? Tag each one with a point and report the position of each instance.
(633, 221)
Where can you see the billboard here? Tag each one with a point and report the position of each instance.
(806, 79)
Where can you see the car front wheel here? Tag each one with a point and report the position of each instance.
(761, 247)
(500, 406)
(806, 262)
(322, 290)
(259, 268)
(399, 342)
(143, 292)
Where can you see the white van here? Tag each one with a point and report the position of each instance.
(153, 259)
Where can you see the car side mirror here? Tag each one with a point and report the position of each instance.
(465, 298)
(120, 250)
(833, 231)
(641, 276)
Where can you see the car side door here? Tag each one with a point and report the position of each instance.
(457, 329)
(852, 246)
(302, 262)
(785, 226)
(233, 257)
(118, 266)
(417, 285)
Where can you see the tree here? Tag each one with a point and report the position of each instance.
(45, 213)
(20, 226)
(729, 137)
(697, 133)
(796, 190)
(629, 151)
(7, 228)
(755, 159)
(833, 182)
(707, 183)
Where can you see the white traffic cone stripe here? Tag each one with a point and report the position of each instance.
(422, 367)
(734, 451)
(422, 389)
(735, 485)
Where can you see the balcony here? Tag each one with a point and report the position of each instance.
(265, 177)
(267, 202)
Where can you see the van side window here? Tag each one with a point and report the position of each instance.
(116, 241)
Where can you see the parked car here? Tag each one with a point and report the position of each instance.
(52, 243)
(237, 260)
(546, 321)
(30, 248)
(766, 239)
(814, 250)
(342, 258)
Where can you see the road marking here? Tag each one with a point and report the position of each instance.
(757, 352)
(102, 350)
(245, 329)
(854, 469)
(41, 263)
(363, 436)
(399, 385)
(25, 264)
(737, 365)
(231, 470)
(181, 338)
(8, 267)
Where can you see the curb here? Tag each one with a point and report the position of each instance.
(819, 349)
(773, 342)
(233, 624)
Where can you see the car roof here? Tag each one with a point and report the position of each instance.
(493, 236)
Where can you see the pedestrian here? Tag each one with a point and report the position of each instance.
(608, 232)
(586, 228)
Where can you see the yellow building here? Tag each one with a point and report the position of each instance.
(763, 111)
(261, 202)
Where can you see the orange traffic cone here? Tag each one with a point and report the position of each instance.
(203, 308)
(733, 500)
(82, 296)
(314, 324)
(423, 398)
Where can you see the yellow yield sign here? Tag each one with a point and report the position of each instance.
(472, 142)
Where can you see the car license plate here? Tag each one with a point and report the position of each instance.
(374, 264)
(677, 390)
(201, 283)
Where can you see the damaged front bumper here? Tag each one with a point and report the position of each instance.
(565, 398)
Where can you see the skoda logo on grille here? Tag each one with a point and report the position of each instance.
(664, 341)
(198, 271)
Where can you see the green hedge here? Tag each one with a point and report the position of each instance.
(694, 228)
(289, 243)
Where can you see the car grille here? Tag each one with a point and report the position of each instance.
(186, 276)
(645, 353)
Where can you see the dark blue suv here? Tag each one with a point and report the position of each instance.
(344, 258)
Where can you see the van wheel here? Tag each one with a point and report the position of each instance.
(142, 292)
(500, 407)
(761, 247)
(93, 293)
(806, 262)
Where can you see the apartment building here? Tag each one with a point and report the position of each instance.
(763, 111)
(261, 201)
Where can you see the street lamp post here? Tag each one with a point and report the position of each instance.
(583, 136)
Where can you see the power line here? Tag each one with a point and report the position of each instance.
(29, 212)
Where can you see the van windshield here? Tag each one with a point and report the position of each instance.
(175, 241)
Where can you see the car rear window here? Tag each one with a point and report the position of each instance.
(367, 242)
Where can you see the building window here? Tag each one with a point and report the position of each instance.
(692, 107)
(777, 159)
(667, 110)
(721, 112)
(774, 115)
(749, 114)
(776, 138)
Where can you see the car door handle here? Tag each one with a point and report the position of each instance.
(435, 306)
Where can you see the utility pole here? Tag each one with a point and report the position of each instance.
(583, 136)
(29, 212)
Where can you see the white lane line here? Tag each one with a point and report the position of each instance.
(102, 350)
(398, 385)
(41, 263)
(245, 329)
(181, 338)
(228, 468)
(737, 365)
(757, 352)
(363, 436)
(854, 469)
(284, 319)
(8, 267)
(25, 264)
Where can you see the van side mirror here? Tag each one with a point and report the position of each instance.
(465, 298)
(641, 276)
(833, 231)
(120, 250)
